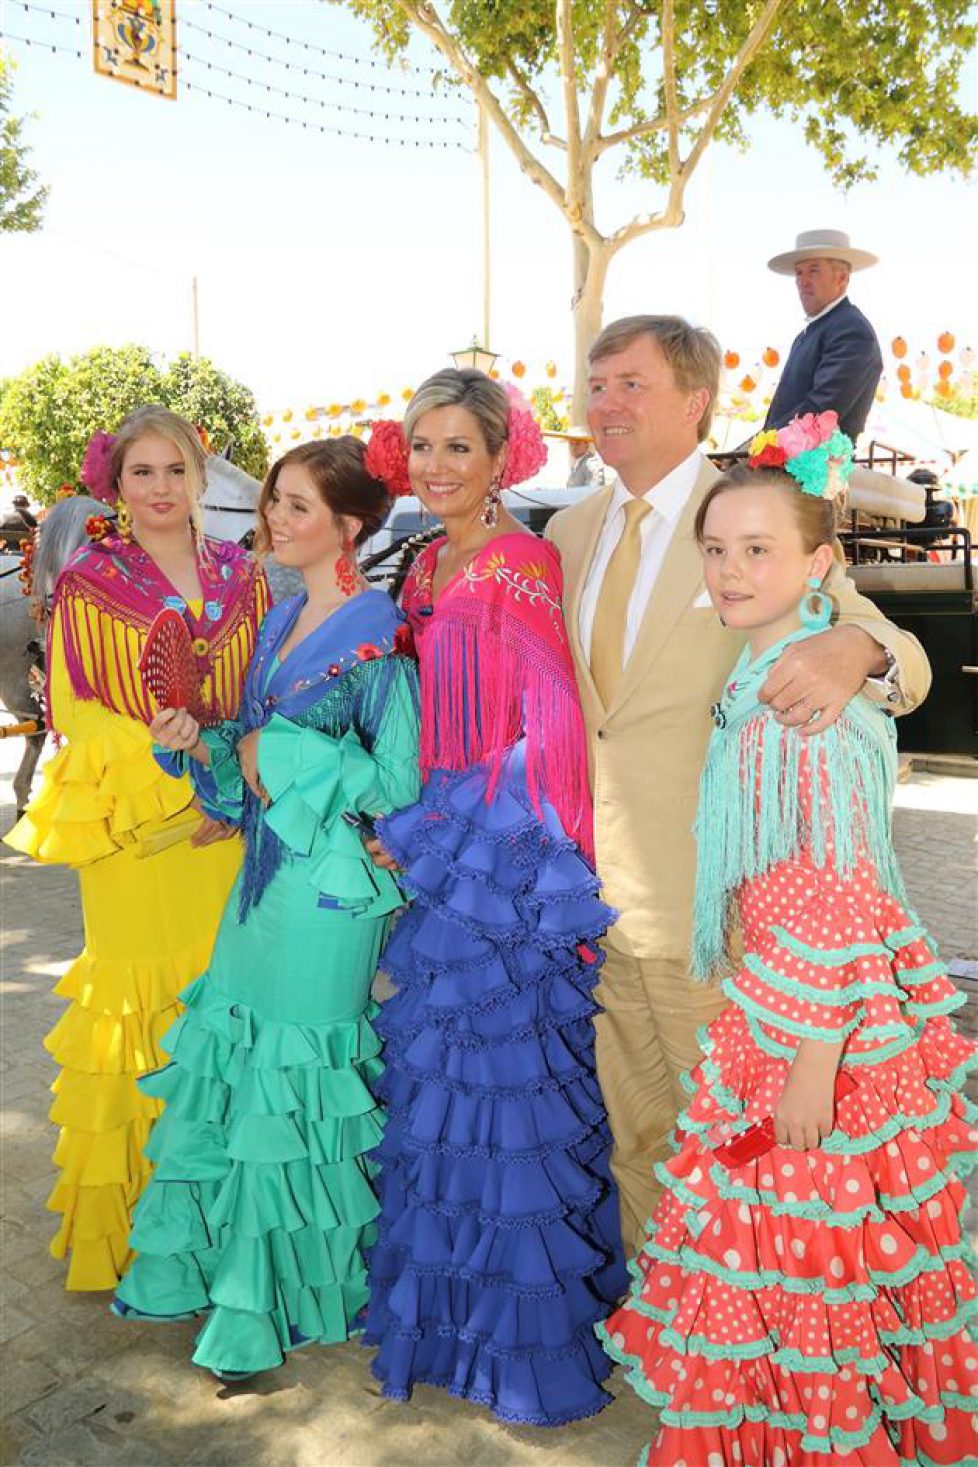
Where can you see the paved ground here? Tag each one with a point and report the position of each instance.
(81, 1388)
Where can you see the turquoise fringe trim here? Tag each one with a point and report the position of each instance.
(921, 1263)
(750, 816)
(811, 1211)
(830, 998)
(839, 1144)
(910, 977)
(828, 957)
(789, 1026)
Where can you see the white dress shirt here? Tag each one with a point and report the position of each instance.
(668, 500)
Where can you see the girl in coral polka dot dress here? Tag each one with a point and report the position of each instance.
(804, 1294)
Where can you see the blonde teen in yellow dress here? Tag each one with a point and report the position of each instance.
(154, 875)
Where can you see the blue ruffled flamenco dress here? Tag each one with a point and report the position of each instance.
(499, 1242)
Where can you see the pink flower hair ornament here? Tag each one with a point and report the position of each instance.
(526, 453)
(95, 474)
(810, 448)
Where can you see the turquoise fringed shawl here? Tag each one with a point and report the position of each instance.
(751, 814)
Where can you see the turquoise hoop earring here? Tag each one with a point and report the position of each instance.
(815, 608)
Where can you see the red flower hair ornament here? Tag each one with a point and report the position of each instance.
(526, 453)
(387, 456)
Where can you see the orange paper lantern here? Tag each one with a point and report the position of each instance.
(770, 357)
(944, 369)
(906, 390)
(898, 346)
(731, 359)
(519, 369)
(943, 388)
(747, 384)
(903, 372)
(945, 342)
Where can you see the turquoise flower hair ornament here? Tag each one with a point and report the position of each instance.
(812, 449)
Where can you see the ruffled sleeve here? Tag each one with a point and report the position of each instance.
(103, 791)
(312, 778)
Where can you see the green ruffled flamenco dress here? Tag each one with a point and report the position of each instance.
(261, 1203)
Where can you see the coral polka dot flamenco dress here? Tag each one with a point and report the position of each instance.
(811, 1309)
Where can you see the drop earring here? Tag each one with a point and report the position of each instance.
(815, 608)
(348, 577)
(123, 520)
(490, 512)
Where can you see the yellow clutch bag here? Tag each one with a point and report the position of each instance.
(159, 835)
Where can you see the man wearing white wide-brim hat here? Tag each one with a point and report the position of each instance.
(836, 361)
(587, 470)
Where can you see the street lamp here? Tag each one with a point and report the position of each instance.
(476, 356)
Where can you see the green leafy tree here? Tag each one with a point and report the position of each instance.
(50, 411)
(21, 204)
(573, 84)
(196, 388)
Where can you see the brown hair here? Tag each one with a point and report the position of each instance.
(468, 388)
(183, 435)
(692, 352)
(814, 516)
(336, 467)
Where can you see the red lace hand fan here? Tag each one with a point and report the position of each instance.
(167, 666)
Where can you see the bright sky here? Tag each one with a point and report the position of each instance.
(331, 268)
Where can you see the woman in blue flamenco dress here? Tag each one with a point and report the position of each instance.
(499, 1231)
(261, 1202)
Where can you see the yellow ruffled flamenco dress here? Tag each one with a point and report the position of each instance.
(151, 904)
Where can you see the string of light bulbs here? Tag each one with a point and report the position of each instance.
(346, 81)
(306, 45)
(290, 119)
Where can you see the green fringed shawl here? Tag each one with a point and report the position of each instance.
(751, 815)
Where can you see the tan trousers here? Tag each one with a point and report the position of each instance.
(646, 1038)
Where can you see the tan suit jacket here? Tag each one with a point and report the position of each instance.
(646, 750)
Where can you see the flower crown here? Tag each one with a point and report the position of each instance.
(526, 452)
(812, 449)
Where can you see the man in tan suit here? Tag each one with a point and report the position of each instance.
(651, 657)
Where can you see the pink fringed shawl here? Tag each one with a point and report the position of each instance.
(107, 598)
(495, 667)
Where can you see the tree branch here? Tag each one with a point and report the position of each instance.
(669, 83)
(423, 14)
(533, 101)
(649, 127)
(758, 35)
(603, 74)
(568, 76)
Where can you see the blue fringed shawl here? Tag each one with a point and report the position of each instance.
(752, 815)
(338, 677)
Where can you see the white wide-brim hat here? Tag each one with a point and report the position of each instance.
(822, 244)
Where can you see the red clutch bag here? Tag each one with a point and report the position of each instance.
(167, 666)
(759, 1138)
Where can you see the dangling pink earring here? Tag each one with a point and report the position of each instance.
(348, 577)
(490, 512)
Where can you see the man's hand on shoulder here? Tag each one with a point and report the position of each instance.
(812, 681)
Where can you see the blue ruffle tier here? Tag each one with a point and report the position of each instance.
(499, 1237)
(260, 1203)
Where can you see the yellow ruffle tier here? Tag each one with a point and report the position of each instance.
(151, 910)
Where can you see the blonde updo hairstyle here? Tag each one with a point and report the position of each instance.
(186, 440)
(467, 388)
(814, 516)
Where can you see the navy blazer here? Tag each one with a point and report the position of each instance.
(835, 363)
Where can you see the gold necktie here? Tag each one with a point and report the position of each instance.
(611, 612)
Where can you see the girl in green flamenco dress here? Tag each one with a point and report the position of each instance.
(804, 1293)
(261, 1202)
